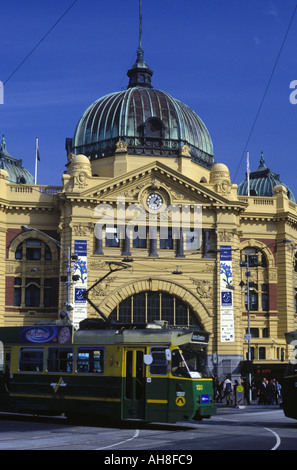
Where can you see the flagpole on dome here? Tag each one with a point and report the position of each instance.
(37, 158)
(248, 171)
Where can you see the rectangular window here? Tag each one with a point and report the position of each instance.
(31, 359)
(166, 243)
(32, 292)
(193, 240)
(33, 254)
(17, 295)
(253, 301)
(265, 297)
(160, 364)
(254, 332)
(262, 353)
(265, 333)
(139, 237)
(59, 359)
(111, 237)
(90, 361)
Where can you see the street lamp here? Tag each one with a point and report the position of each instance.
(66, 250)
(248, 310)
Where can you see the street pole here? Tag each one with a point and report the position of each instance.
(249, 327)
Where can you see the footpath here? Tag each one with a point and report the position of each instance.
(252, 405)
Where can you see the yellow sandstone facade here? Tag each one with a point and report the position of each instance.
(141, 189)
(188, 279)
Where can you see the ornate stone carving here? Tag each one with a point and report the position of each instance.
(225, 236)
(121, 147)
(81, 229)
(185, 151)
(102, 289)
(204, 288)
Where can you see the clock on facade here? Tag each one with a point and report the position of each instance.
(154, 201)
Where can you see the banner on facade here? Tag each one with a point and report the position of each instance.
(226, 295)
(80, 269)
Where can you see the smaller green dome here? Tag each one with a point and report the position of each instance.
(262, 182)
(16, 173)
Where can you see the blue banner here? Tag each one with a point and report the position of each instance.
(80, 247)
(225, 253)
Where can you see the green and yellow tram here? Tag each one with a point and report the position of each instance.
(152, 373)
(289, 382)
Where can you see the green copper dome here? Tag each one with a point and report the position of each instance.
(14, 168)
(149, 121)
(262, 182)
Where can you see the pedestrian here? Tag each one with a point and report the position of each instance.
(227, 387)
(270, 393)
(262, 392)
(278, 392)
(215, 385)
(220, 392)
(246, 387)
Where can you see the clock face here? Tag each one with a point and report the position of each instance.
(154, 201)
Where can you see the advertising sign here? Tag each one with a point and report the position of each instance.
(226, 297)
(46, 334)
(80, 270)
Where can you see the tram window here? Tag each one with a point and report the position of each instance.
(160, 364)
(90, 361)
(59, 359)
(31, 360)
(179, 367)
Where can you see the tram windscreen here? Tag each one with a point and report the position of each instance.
(291, 368)
(188, 363)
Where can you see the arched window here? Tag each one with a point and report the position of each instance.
(33, 286)
(254, 260)
(33, 249)
(146, 307)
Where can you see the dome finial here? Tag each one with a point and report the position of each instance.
(140, 74)
(3, 143)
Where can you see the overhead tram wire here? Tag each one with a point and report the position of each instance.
(38, 44)
(266, 90)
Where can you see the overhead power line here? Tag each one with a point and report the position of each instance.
(266, 90)
(38, 44)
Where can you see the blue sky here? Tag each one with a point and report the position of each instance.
(215, 56)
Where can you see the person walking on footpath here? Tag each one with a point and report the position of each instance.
(227, 388)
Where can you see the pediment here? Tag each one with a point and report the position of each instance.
(156, 176)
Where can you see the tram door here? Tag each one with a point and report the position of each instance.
(134, 384)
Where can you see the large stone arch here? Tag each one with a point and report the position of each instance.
(110, 302)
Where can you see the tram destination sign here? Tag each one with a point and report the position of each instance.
(199, 337)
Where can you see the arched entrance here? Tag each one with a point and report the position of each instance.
(145, 307)
(159, 297)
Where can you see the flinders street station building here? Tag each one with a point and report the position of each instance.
(142, 196)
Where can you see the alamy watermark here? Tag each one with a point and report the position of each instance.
(293, 94)
(176, 221)
(1, 93)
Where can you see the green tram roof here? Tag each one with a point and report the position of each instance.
(154, 333)
(150, 335)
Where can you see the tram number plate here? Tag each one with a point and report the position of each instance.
(199, 387)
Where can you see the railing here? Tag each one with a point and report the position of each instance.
(28, 189)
